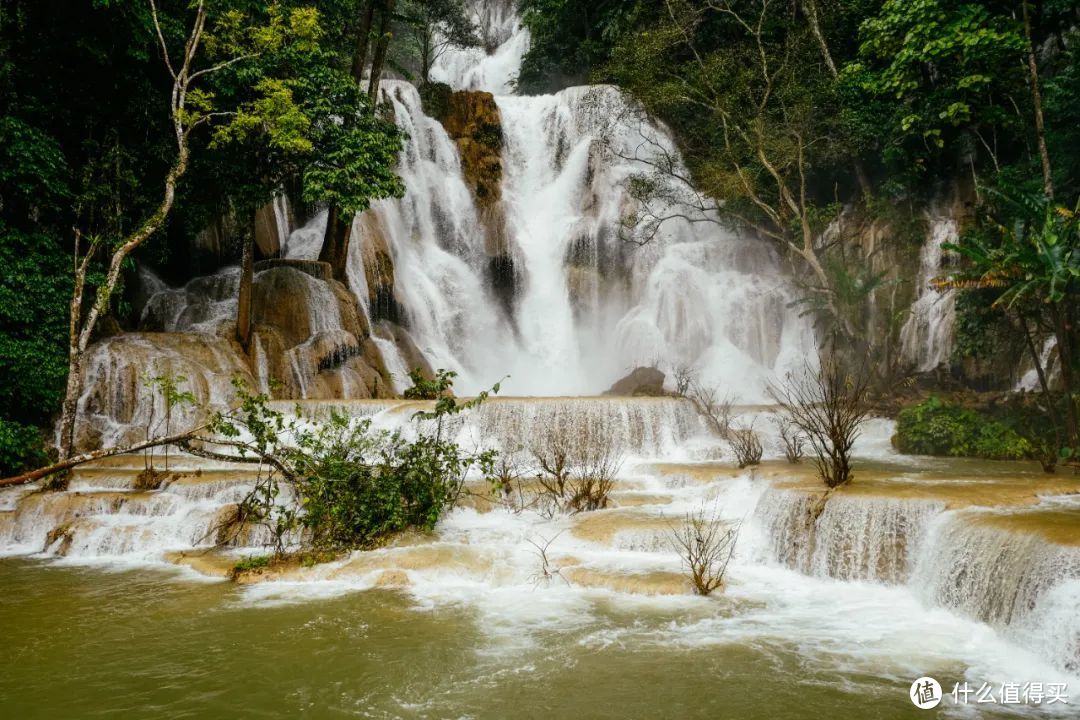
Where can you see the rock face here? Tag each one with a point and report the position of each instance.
(646, 381)
(472, 119)
(378, 262)
(310, 340)
(122, 404)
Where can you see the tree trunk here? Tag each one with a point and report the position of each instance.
(426, 45)
(1063, 337)
(70, 408)
(1036, 101)
(381, 45)
(247, 277)
(335, 247)
(75, 460)
(363, 40)
(810, 9)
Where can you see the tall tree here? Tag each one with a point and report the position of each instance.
(335, 247)
(435, 26)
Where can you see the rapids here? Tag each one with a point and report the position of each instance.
(984, 555)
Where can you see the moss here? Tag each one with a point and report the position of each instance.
(934, 427)
(252, 562)
(473, 121)
(435, 99)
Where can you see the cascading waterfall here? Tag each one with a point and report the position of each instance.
(926, 337)
(846, 538)
(1018, 582)
(587, 305)
(1015, 580)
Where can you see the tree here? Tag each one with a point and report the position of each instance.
(188, 109)
(1028, 248)
(435, 26)
(342, 207)
(748, 95)
(828, 406)
(939, 75)
(705, 544)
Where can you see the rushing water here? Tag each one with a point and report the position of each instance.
(969, 572)
(82, 643)
(964, 571)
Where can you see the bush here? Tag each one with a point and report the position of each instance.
(575, 468)
(705, 545)
(934, 427)
(22, 447)
(341, 484)
(827, 406)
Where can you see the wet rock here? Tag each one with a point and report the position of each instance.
(410, 353)
(642, 381)
(473, 120)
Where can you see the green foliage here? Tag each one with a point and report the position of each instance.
(424, 389)
(86, 141)
(1032, 254)
(33, 325)
(983, 332)
(945, 67)
(934, 427)
(22, 447)
(570, 39)
(252, 562)
(339, 483)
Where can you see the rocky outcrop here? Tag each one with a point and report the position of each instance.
(473, 121)
(410, 354)
(121, 404)
(642, 381)
(378, 261)
(311, 339)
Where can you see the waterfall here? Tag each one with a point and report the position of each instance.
(1009, 577)
(587, 306)
(844, 537)
(1015, 581)
(926, 337)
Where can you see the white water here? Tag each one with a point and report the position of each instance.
(927, 335)
(587, 305)
(857, 581)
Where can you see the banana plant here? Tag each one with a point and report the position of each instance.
(1033, 257)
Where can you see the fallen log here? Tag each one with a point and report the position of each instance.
(76, 460)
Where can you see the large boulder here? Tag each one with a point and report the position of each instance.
(642, 381)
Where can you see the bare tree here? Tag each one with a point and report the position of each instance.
(546, 573)
(576, 468)
(436, 26)
(553, 452)
(184, 120)
(716, 409)
(705, 545)
(506, 478)
(791, 437)
(746, 445)
(683, 376)
(766, 132)
(828, 405)
(594, 470)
